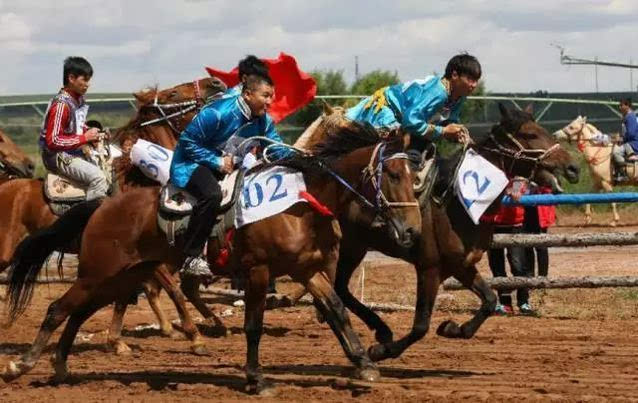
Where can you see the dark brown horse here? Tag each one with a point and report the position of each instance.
(117, 255)
(14, 163)
(451, 243)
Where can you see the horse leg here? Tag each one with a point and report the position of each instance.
(345, 267)
(329, 304)
(168, 283)
(473, 280)
(190, 288)
(57, 313)
(615, 214)
(427, 287)
(152, 289)
(255, 300)
(588, 218)
(66, 340)
(115, 331)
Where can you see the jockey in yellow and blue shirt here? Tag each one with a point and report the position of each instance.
(413, 105)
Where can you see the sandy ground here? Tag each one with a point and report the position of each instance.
(581, 347)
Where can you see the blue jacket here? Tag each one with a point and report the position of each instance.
(630, 130)
(411, 106)
(206, 136)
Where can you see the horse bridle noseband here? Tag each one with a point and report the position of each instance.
(184, 107)
(534, 156)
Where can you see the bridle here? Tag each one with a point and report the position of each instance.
(373, 174)
(536, 157)
(182, 107)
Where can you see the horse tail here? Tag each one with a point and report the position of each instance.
(34, 250)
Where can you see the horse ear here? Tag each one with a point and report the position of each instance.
(505, 113)
(529, 109)
(584, 119)
(327, 109)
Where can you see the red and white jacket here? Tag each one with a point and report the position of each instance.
(64, 127)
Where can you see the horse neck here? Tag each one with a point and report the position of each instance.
(327, 188)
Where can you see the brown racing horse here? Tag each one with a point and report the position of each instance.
(451, 244)
(161, 116)
(116, 255)
(14, 163)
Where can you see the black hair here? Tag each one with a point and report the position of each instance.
(625, 101)
(78, 66)
(464, 64)
(251, 65)
(253, 80)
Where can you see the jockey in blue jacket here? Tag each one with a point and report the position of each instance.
(414, 104)
(203, 155)
(629, 144)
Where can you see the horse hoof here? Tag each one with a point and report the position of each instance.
(613, 224)
(260, 387)
(61, 373)
(13, 371)
(449, 329)
(199, 349)
(369, 374)
(122, 349)
(175, 335)
(377, 352)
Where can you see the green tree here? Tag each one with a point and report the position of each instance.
(373, 81)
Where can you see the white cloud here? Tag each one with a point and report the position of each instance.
(133, 44)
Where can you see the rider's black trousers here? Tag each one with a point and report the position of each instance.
(204, 186)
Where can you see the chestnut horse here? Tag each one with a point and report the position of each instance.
(451, 244)
(14, 163)
(303, 242)
(162, 114)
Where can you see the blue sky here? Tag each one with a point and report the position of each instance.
(133, 44)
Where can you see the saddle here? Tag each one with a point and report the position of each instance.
(62, 193)
(176, 207)
(426, 173)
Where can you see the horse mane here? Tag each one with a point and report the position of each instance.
(342, 140)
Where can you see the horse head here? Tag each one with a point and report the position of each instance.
(524, 148)
(164, 114)
(572, 130)
(383, 197)
(13, 161)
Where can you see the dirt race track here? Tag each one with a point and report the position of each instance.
(583, 345)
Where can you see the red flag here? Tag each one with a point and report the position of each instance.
(293, 88)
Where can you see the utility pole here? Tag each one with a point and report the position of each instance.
(356, 68)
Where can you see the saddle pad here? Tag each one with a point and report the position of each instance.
(153, 160)
(59, 189)
(268, 192)
(178, 201)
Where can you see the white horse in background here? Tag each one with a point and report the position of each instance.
(596, 147)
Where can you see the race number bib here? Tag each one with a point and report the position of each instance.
(478, 184)
(267, 193)
(153, 160)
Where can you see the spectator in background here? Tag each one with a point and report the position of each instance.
(537, 220)
(509, 220)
